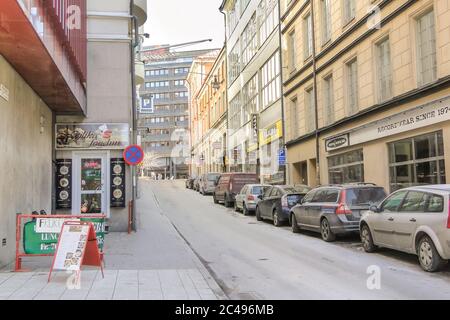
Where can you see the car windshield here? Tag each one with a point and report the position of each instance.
(365, 196)
(259, 190)
(213, 177)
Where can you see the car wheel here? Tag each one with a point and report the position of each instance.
(228, 204)
(236, 207)
(325, 230)
(245, 210)
(294, 226)
(258, 215)
(214, 198)
(366, 239)
(429, 257)
(276, 218)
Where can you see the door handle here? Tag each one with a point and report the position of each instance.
(413, 220)
(391, 219)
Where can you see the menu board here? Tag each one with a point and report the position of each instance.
(71, 247)
(63, 184)
(117, 183)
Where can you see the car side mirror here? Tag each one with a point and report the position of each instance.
(375, 209)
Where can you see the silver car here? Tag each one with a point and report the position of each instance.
(415, 220)
(247, 199)
(207, 183)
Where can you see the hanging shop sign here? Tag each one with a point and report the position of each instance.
(92, 136)
(41, 235)
(418, 117)
(63, 184)
(117, 183)
(271, 133)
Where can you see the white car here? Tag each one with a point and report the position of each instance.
(415, 220)
(247, 199)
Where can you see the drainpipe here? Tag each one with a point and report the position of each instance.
(316, 111)
(134, 44)
(225, 152)
(282, 96)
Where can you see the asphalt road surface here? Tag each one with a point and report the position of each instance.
(255, 260)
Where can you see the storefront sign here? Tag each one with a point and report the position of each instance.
(4, 92)
(117, 183)
(255, 125)
(337, 142)
(271, 133)
(41, 236)
(91, 136)
(63, 184)
(419, 117)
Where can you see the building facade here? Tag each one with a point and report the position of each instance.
(366, 85)
(208, 109)
(255, 113)
(164, 113)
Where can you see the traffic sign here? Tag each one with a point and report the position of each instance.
(282, 157)
(133, 155)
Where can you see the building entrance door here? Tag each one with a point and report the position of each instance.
(90, 181)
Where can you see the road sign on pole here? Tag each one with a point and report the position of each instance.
(133, 155)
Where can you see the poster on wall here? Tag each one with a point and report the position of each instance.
(92, 136)
(117, 183)
(63, 184)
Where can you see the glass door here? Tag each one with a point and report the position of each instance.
(90, 181)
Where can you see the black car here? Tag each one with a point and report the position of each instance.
(276, 202)
(190, 182)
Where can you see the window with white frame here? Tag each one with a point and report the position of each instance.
(271, 82)
(326, 20)
(349, 8)
(250, 98)
(235, 112)
(307, 37)
(234, 64)
(310, 110)
(268, 18)
(352, 86)
(384, 71)
(328, 100)
(249, 41)
(426, 48)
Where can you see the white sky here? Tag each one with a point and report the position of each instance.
(179, 21)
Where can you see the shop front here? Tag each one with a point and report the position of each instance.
(271, 144)
(404, 149)
(91, 176)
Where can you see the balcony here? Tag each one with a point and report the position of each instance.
(140, 11)
(45, 51)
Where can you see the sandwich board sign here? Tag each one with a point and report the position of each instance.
(77, 246)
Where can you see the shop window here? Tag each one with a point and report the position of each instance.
(417, 161)
(346, 168)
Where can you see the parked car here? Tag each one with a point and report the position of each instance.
(207, 183)
(230, 184)
(247, 199)
(414, 220)
(273, 200)
(335, 209)
(190, 182)
(196, 184)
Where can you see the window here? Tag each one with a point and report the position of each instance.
(352, 87)
(249, 41)
(235, 112)
(310, 110)
(309, 196)
(307, 37)
(250, 98)
(326, 20)
(414, 202)
(346, 168)
(292, 55)
(159, 72)
(349, 7)
(234, 63)
(268, 18)
(271, 82)
(326, 196)
(383, 52)
(180, 83)
(417, 161)
(393, 203)
(426, 49)
(294, 116)
(435, 203)
(328, 100)
(181, 70)
(182, 94)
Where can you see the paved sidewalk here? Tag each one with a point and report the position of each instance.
(153, 264)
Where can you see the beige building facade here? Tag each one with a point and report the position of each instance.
(366, 87)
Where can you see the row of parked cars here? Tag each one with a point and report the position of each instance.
(414, 220)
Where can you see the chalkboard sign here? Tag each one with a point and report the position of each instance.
(117, 183)
(63, 184)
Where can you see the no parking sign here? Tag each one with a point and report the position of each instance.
(133, 155)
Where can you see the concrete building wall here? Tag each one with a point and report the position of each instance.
(26, 125)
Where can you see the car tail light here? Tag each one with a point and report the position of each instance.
(284, 201)
(342, 207)
(251, 197)
(448, 220)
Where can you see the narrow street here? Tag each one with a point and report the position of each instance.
(255, 260)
